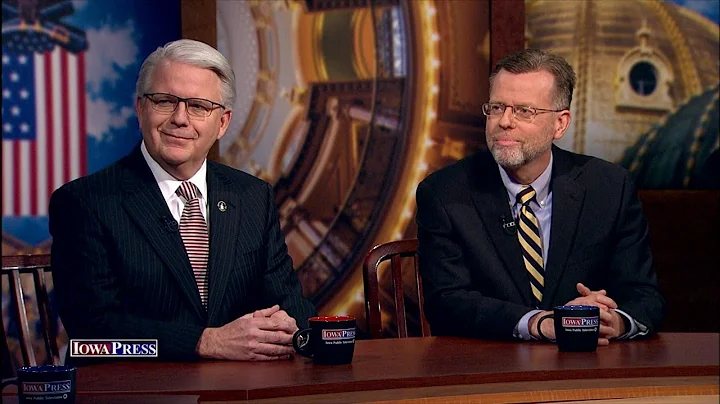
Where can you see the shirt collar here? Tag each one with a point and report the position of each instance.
(169, 184)
(541, 185)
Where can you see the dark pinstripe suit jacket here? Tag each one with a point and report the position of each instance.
(120, 271)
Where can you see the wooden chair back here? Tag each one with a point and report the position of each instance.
(396, 252)
(38, 266)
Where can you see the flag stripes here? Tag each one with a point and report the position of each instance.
(44, 142)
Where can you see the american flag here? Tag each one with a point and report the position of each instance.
(43, 127)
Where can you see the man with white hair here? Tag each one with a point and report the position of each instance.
(165, 244)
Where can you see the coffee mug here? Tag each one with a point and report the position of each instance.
(330, 340)
(47, 384)
(577, 328)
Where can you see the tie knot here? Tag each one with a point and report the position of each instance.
(526, 194)
(188, 190)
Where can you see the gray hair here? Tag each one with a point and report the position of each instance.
(535, 60)
(193, 53)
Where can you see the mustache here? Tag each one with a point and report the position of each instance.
(504, 136)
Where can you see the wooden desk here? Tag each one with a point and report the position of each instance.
(122, 399)
(397, 369)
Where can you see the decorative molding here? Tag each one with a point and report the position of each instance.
(688, 70)
(464, 29)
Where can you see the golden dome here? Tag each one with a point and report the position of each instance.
(636, 61)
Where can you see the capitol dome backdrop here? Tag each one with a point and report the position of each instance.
(647, 90)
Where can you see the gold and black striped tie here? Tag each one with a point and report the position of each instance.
(531, 242)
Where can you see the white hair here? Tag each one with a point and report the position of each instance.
(193, 53)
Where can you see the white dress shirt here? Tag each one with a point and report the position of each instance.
(169, 184)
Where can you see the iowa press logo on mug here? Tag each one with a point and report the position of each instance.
(119, 348)
(42, 388)
(580, 321)
(336, 335)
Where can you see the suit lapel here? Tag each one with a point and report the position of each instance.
(491, 202)
(567, 203)
(145, 205)
(224, 220)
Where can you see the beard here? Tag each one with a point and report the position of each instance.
(509, 156)
(527, 150)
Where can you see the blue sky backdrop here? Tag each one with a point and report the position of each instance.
(708, 8)
(121, 34)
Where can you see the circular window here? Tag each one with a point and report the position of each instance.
(643, 78)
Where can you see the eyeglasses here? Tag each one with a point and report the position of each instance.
(167, 104)
(521, 112)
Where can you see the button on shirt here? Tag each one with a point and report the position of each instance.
(169, 184)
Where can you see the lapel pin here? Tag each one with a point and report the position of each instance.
(222, 206)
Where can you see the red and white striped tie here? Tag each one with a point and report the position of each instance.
(194, 233)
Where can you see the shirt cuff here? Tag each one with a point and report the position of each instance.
(637, 329)
(522, 327)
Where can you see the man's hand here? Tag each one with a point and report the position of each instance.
(611, 324)
(275, 313)
(590, 298)
(263, 335)
(614, 325)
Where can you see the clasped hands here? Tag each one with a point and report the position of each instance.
(263, 335)
(611, 322)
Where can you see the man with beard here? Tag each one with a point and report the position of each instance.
(508, 233)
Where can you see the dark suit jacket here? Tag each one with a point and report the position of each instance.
(475, 283)
(120, 269)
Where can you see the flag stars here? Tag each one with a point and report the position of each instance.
(14, 77)
(22, 59)
(24, 94)
(5, 59)
(24, 127)
(7, 93)
(7, 127)
(15, 110)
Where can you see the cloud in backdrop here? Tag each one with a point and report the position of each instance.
(120, 34)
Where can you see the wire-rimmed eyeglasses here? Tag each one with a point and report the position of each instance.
(521, 112)
(167, 104)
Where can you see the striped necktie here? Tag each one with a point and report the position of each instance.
(531, 242)
(194, 233)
